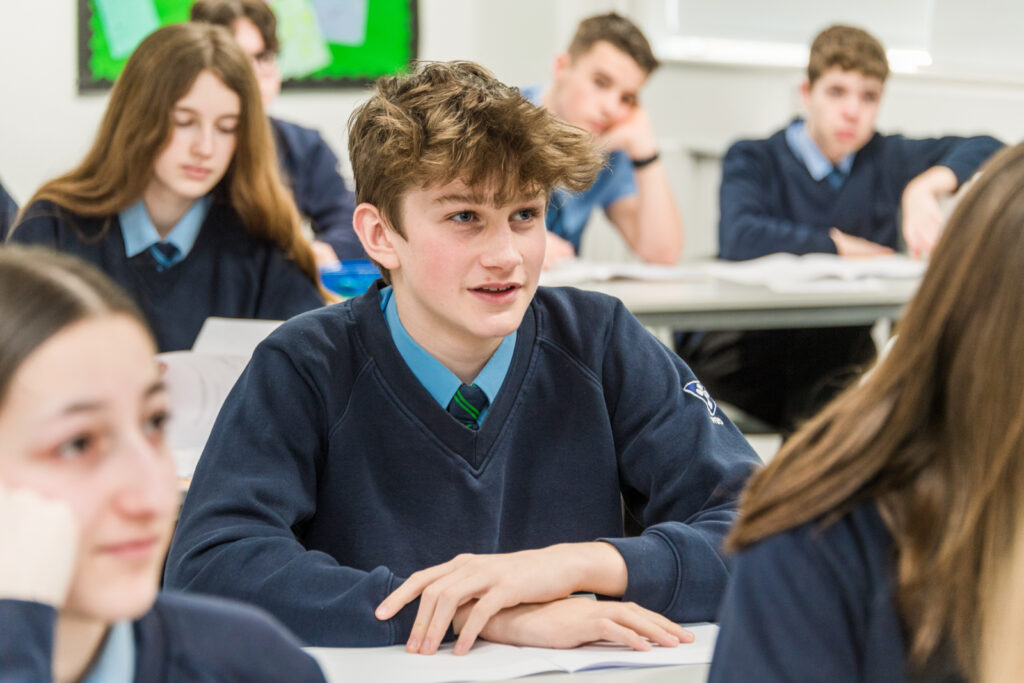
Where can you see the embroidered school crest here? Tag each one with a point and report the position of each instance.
(697, 389)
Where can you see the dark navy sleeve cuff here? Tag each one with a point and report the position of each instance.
(653, 567)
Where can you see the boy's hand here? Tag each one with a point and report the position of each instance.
(634, 135)
(557, 249)
(496, 582)
(852, 246)
(38, 547)
(922, 216)
(571, 622)
(323, 253)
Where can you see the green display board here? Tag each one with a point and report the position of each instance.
(324, 43)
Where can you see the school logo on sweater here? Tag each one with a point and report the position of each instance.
(697, 389)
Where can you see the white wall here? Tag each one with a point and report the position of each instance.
(45, 125)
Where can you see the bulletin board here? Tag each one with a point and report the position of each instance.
(324, 43)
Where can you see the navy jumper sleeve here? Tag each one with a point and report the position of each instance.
(751, 221)
(265, 453)
(8, 212)
(682, 464)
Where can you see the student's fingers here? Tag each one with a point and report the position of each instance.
(485, 608)
(438, 604)
(612, 631)
(652, 626)
(410, 589)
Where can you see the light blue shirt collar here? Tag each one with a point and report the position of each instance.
(438, 380)
(804, 147)
(116, 663)
(140, 233)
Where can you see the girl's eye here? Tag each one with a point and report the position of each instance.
(227, 130)
(76, 447)
(182, 122)
(155, 424)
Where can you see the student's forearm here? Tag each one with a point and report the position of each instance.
(938, 181)
(655, 232)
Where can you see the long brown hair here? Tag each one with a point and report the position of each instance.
(935, 435)
(137, 126)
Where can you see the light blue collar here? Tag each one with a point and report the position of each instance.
(804, 147)
(437, 379)
(140, 233)
(116, 664)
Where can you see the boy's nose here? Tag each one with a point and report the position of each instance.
(501, 251)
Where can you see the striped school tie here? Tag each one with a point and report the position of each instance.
(165, 254)
(467, 404)
(836, 178)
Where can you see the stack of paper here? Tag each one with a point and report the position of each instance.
(576, 271)
(817, 272)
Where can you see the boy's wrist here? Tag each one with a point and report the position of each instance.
(600, 568)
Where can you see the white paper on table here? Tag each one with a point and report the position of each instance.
(490, 662)
(232, 336)
(576, 271)
(774, 269)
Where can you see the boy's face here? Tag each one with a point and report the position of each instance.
(598, 89)
(841, 110)
(466, 269)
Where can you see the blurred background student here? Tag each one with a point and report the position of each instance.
(8, 211)
(309, 166)
(88, 499)
(869, 542)
(179, 200)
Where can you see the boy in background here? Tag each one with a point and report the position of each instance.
(8, 212)
(460, 427)
(827, 182)
(596, 86)
(309, 166)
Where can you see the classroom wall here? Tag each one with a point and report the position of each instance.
(698, 109)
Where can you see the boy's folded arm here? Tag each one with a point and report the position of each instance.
(682, 464)
(747, 229)
(254, 487)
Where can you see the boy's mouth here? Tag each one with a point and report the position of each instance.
(499, 293)
(495, 289)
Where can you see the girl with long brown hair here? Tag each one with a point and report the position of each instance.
(871, 542)
(179, 200)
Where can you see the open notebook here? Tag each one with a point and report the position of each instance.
(491, 662)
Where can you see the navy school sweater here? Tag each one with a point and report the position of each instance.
(8, 211)
(332, 473)
(770, 203)
(813, 604)
(227, 273)
(311, 171)
(181, 639)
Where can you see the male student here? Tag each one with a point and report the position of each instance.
(827, 182)
(8, 212)
(309, 166)
(596, 86)
(452, 452)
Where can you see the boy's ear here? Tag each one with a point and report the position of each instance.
(375, 235)
(561, 64)
(805, 93)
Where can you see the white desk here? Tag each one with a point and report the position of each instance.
(719, 305)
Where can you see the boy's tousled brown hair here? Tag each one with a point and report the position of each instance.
(934, 436)
(849, 48)
(450, 121)
(620, 32)
(227, 12)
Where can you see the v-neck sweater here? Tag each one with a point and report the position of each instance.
(332, 473)
(227, 273)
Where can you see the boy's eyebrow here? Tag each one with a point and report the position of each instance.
(460, 199)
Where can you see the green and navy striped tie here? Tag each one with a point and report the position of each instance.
(467, 404)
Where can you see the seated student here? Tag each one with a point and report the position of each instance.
(179, 200)
(596, 86)
(88, 499)
(309, 166)
(461, 410)
(8, 212)
(825, 183)
(869, 542)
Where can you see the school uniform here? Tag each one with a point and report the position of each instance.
(219, 270)
(311, 171)
(8, 212)
(568, 212)
(817, 604)
(333, 471)
(783, 195)
(181, 638)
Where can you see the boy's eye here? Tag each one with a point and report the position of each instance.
(156, 423)
(525, 214)
(602, 82)
(463, 217)
(871, 97)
